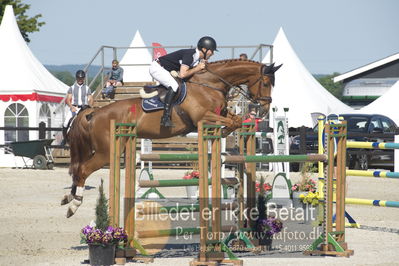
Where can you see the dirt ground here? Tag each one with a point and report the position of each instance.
(34, 230)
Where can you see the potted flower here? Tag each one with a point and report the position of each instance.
(266, 226)
(191, 190)
(305, 185)
(102, 243)
(102, 238)
(267, 188)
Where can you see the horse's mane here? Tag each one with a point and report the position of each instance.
(233, 60)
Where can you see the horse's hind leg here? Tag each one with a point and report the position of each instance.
(85, 169)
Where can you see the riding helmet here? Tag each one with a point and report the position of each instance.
(80, 74)
(208, 43)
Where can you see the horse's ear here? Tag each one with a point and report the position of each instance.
(268, 69)
(277, 68)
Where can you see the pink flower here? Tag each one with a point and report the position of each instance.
(195, 174)
(186, 177)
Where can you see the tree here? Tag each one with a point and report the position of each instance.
(26, 24)
(64, 76)
(102, 216)
(335, 89)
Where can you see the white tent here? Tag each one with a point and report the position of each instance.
(385, 104)
(136, 56)
(29, 93)
(297, 89)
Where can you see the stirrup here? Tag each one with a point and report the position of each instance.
(166, 121)
(63, 143)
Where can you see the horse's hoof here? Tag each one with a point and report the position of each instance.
(69, 213)
(73, 207)
(66, 199)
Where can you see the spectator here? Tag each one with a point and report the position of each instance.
(243, 56)
(114, 79)
(250, 117)
(78, 98)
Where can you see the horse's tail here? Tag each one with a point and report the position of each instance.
(79, 142)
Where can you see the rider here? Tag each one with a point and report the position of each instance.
(78, 97)
(187, 62)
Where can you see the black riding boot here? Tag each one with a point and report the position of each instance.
(64, 135)
(165, 120)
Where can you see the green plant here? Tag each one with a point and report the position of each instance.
(27, 24)
(102, 217)
(100, 233)
(261, 203)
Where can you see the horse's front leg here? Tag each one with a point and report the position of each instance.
(231, 122)
(236, 123)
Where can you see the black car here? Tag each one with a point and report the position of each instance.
(361, 127)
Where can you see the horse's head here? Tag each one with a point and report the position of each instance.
(260, 87)
(228, 74)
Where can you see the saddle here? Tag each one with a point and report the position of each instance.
(154, 96)
(160, 91)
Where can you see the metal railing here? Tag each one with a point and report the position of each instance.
(255, 52)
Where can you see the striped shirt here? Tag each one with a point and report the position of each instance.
(79, 93)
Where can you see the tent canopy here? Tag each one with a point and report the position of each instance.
(23, 77)
(297, 89)
(136, 56)
(385, 104)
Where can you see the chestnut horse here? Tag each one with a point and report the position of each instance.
(206, 99)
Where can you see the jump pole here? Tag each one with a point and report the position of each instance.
(179, 231)
(182, 183)
(149, 210)
(375, 174)
(370, 202)
(274, 158)
(372, 145)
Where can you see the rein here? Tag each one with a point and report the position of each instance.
(240, 89)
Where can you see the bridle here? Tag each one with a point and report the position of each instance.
(245, 93)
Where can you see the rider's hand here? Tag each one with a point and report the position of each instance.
(201, 65)
(73, 109)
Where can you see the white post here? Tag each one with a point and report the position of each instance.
(396, 157)
(287, 143)
(281, 141)
(276, 166)
(146, 148)
(223, 144)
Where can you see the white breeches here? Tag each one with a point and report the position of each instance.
(163, 76)
(69, 115)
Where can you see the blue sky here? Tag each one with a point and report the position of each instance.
(328, 36)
